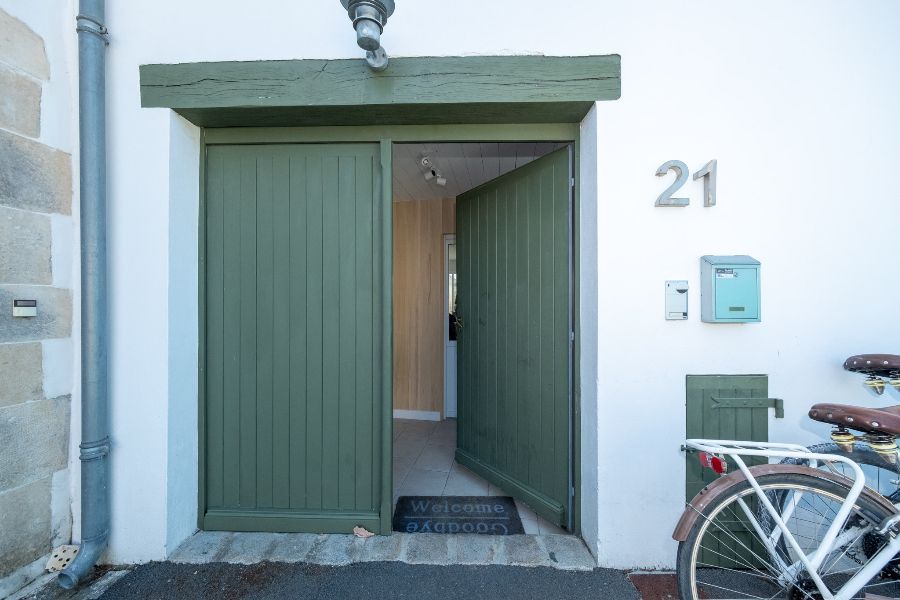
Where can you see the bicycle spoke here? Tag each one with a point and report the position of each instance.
(762, 574)
(888, 582)
(738, 553)
(745, 594)
(755, 555)
(827, 570)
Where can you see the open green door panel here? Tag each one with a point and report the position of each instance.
(295, 377)
(514, 347)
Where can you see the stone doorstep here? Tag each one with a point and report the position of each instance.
(564, 552)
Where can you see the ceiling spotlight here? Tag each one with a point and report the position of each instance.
(430, 171)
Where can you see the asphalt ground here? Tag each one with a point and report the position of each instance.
(360, 581)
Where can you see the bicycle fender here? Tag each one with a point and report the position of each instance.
(721, 485)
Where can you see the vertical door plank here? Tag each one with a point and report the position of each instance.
(549, 454)
(513, 334)
(231, 343)
(502, 331)
(330, 349)
(482, 375)
(281, 316)
(347, 330)
(297, 307)
(522, 319)
(462, 300)
(384, 357)
(215, 325)
(315, 226)
(562, 357)
(265, 328)
(490, 356)
(533, 327)
(366, 413)
(247, 441)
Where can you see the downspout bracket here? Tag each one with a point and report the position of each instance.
(94, 450)
(92, 25)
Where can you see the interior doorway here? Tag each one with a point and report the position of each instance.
(520, 216)
(450, 332)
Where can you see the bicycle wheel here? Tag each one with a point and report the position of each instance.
(723, 556)
(881, 475)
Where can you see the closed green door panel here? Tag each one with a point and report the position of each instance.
(513, 262)
(708, 417)
(293, 350)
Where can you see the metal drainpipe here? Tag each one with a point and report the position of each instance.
(94, 397)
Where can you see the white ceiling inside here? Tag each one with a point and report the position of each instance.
(463, 165)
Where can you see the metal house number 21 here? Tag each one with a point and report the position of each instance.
(708, 173)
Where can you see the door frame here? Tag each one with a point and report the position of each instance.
(448, 239)
(386, 136)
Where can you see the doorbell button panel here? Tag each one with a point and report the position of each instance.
(24, 308)
(676, 300)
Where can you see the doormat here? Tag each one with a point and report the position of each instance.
(486, 515)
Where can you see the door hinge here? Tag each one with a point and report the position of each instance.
(572, 491)
(776, 403)
(571, 182)
(571, 336)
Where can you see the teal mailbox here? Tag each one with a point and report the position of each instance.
(729, 289)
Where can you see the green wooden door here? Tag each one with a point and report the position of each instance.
(726, 407)
(294, 388)
(514, 362)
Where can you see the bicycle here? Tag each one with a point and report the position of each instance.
(801, 529)
(876, 453)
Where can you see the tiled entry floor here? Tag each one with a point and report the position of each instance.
(424, 466)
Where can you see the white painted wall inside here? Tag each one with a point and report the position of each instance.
(796, 100)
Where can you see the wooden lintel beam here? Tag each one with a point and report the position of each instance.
(319, 91)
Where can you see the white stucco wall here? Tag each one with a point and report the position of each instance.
(798, 102)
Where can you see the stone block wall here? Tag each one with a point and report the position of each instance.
(35, 260)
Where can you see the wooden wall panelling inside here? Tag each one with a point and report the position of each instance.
(419, 318)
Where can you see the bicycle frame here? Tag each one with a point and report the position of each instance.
(736, 449)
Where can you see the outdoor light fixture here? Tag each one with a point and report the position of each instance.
(369, 18)
(430, 172)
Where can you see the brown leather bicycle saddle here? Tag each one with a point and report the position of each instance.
(882, 365)
(882, 420)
